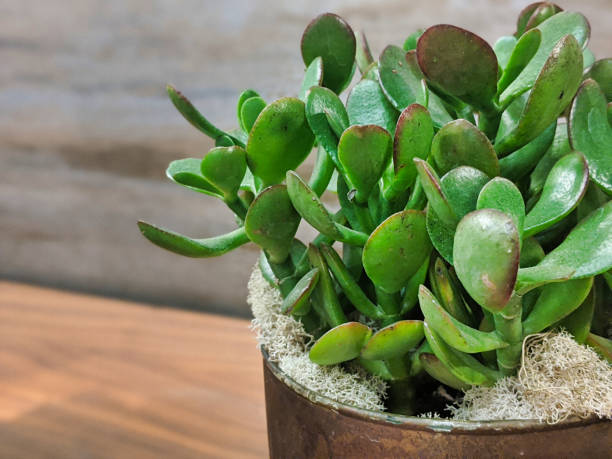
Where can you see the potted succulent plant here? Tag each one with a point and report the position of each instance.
(473, 185)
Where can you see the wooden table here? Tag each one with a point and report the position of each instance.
(89, 377)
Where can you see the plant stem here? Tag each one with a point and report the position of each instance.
(508, 324)
(387, 301)
(417, 197)
(237, 206)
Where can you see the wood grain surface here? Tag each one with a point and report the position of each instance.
(86, 129)
(87, 377)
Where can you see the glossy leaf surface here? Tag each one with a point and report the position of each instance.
(438, 201)
(340, 344)
(601, 72)
(250, 110)
(312, 77)
(328, 36)
(460, 143)
(563, 189)
(463, 366)
(486, 257)
(196, 248)
(551, 93)
(437, 370)
(591, 134)
(224, 167)
(394, 340)
(521, 162)
(269, 208)
(187, 172)
(364, 152)
(523, 52)
(367, 104)
(279, 140)
(396, 250)
(400, 78)
(553, 30)
(503, 195)
(555, 302)
(297, 301)
(460, 63)
(456, 334)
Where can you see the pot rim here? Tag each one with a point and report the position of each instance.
(417, 423)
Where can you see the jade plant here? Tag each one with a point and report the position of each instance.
(473, 192)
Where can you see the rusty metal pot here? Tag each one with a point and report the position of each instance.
(302, 423)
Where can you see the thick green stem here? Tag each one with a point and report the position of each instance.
(389, 302)
(417, 198)
(488, 122)
(508, 324)
(237, 206)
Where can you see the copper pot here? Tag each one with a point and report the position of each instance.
(302, 423)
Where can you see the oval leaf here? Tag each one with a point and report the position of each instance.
(279, 140)
(296, 302)
(328, 36)
(367, 104)
(503, 195)
(187, 172)
(437, 370)
(312, 77)
(269, 208)
(460, 63)
(340, 344)
(396, 250)
(225, 167)
(250, 110)
(486, 257)
(460, 143)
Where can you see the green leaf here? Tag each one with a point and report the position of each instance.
(250, 110)
(324, 297)
(465, 367)
(340, 344)
(591, 133)
(312, 77)
(351, 289)
(367, 104)
(196, 248)
(541, 12)
(411, 41)
(411, 290)
(364, 152)
(563, 189)
(413, 136)
(319, 103)
(244, 96)
(437, 370)
(552, 92)
(601, 72)
(531, 253)
(438, 201)
(269, 208)
(328, 36)
(460, 143)
(279, 140)
(503, 48)
(456, 334)
(224, 168)
(400, 77)
(559, 148)
(585, 252)
(396, 250)
(187, 172)
(460, 63)
(322, 172)
(553, 30)
(518, 164)
(523, 52)
(394, 340)
(297, 301)
(486, 257)
(447, 290)
(503, 195)
(461, 187)
(555, 302)
(363, 55)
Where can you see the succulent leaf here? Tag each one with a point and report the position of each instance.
(224, 168)
(367, 104)
(364, 152)
(297, 301)
(521, 162)
(601, 345)
(460, 63)
(601, 72)
(555, 302)
(250, 110)
(551, 93)
(503, 48)
(312, 77)
(271, 206)
(325, 291)
(396, 250)
(328, 36)
(503, 195)
(279, 140)
(340, 344)
(455, 333)
(591, 133)
(394, 340)
(187, 172)
(486, 257)
(437, 370)
(522, 53)
(196, 248)
(460, 143)
(563, 189)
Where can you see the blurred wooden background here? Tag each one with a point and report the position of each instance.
(86, 130)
